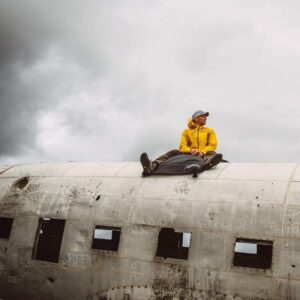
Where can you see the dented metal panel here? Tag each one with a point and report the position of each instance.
(250, 201)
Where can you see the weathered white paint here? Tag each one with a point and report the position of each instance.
(259, 201)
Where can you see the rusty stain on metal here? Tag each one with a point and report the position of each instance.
(3, 171)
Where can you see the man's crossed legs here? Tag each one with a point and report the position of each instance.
(210, 158)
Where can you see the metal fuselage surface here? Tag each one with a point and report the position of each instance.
(222, 208)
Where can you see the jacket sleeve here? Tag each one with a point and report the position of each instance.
(184, 143)
(211, 142)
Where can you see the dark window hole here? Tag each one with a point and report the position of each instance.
(106, 238)
(48, 239)
(253, 253)
(98, 197)
(173, 244)
(5, 227)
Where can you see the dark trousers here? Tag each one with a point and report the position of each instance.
(159, 160)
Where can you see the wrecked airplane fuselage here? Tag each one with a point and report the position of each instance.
(100, 231)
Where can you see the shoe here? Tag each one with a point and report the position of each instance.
(148, 165)
(212, 161)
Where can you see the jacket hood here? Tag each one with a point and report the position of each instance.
(191, 124)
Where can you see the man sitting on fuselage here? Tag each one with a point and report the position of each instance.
(197, 140)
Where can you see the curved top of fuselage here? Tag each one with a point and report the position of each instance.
(261, 199)
(224, 171)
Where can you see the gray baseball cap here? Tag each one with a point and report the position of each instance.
(200, 113)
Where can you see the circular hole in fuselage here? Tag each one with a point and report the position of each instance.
(20, 183)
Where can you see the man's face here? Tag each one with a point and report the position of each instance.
(201, 120)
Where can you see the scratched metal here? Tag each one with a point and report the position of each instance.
(257, 201)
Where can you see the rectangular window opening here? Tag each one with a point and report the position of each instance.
(173, 244)
(5, 227)
(253, 253)
(48, 239)
(106, 238)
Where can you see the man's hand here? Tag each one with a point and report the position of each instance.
(196, 153)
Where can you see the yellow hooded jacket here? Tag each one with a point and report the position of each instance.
(200, 138)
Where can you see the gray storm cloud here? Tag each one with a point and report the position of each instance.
(106, 80)
(38, 69)
(25, 88)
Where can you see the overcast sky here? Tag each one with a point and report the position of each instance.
(104, 80)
